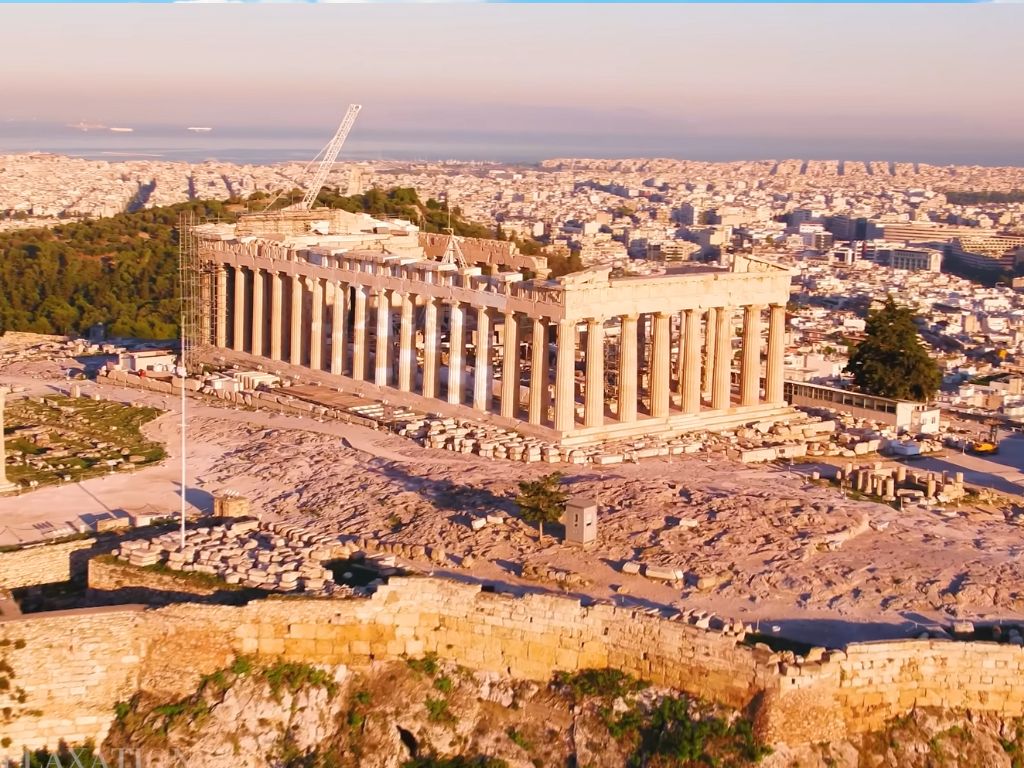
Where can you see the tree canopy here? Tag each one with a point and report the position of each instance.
(891, 361)
(123, 270)
(542, 501)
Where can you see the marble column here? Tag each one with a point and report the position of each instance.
(276, 314)
(256, 332)
(222, 307)
(773, 388)
(680, 371)
(316, 326)
(359, 334)
(482, 364)
(723, 360)
(538, 371)
(381, 363)
(206, 301)
(691, 364)
(710, 328)
(238, 316)
(627, 369)
(510, 367)
(750, 374)
(431, 345)
(338, 329)
(593, 413)
(565, 377)
(295, 348)
(545, 376)
(456, 349)
(643, 367)
(406, 345)
(660, 367)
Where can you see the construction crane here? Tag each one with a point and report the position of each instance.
(330, 154)
(453, 254)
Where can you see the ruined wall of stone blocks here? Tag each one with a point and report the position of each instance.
(74, 666)
(64, 672)
(879, 681)
(683, 656)
(183, 642)
(143, 382)
(526, 637)
(114, 582)
(44, 563)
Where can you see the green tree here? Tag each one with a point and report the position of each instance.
(561, 263)
(891, 362)
(542, 501)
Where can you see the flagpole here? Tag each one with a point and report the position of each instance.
(183, 381)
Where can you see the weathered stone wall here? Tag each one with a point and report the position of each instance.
(45, 563)
(65, 671)
(112, 582)
(528, 637)
(74, 666)
(879, 681)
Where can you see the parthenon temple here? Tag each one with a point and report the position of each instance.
(474, 329)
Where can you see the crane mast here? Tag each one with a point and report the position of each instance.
(330, 155)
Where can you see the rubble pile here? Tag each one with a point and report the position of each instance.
(275, 557)
(892, 483)
(566, 577)
(38, 347)
(765, 441)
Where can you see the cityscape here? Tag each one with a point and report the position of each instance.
(651, 452)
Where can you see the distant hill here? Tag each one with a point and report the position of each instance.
(123, 270)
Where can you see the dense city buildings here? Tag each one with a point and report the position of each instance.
(849, 231)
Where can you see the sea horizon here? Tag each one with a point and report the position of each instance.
(241, 145)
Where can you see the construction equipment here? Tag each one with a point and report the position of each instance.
(453, 250)
(988, 446)
(329, 155)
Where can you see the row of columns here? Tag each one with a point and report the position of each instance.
(703, 360)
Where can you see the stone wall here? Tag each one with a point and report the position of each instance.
(112, 582)
(75, 666)
(45, 563)
(65, 671)
(879, 681)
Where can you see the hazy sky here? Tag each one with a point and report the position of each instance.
(904, 75)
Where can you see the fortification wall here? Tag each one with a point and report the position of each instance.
(113, 582)
(528, 637)
(75, 666)
(45, 563)
(879, 681)
(64, 672)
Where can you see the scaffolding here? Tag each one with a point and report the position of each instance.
(198, 297)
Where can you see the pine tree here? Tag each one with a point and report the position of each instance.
(891, 362)
(542, 501)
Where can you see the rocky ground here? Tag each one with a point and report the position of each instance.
(427, 714)
(759, 541)
(762, 544)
